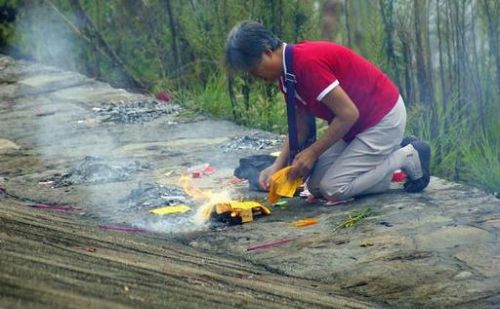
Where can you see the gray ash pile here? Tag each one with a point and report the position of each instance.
(253, 142)
(150, 195)
(93, 170)
(135, 112)
(134, 210)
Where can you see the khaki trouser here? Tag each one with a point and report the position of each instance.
(363, 166)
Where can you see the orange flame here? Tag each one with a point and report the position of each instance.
(208, 198)
(195, 193)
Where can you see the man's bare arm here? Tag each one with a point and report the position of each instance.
(346, 115)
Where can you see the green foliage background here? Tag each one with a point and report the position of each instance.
(443, 54)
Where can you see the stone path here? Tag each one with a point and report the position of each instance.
(439, 248)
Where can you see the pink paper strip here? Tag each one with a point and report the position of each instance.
(271, 244)
(122, 228)
(56, 207)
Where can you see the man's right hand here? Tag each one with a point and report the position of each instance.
(265, 176)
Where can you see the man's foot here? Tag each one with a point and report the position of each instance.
(424, 155)
(333, 202)
(408, 140)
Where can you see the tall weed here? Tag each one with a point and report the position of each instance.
(461, 151)
(482, 163)
(262, 112)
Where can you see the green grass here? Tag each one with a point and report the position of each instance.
(354, 218)
(262, 113)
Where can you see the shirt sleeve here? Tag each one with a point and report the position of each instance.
(318, 79)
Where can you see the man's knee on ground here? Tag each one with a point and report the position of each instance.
(313, 187)
(333, 190)
(314, 190)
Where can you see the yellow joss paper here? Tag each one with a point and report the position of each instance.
(250, 205)
(245, 205)
(281, 185)
(275, 154)
(170, 210)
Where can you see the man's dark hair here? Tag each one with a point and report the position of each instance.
(245, 44)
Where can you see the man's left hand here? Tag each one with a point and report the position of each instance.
(303, 163)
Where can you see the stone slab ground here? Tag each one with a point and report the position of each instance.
(439, 248)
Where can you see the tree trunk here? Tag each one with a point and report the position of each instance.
(450, 77)
(97, 60)
(173, 31)
(461, 56)
(151, 24)
(280, 19)
(476, 80)
(491, 10)
(408, 69)
(86, 28)
(444, 93)
(386, 10)
(347, 25)
(232, 96)
(424, 84)
(429, 79)
(245, 90)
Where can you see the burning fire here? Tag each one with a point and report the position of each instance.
(208, 198)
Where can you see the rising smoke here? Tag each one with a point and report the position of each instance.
(110, 190)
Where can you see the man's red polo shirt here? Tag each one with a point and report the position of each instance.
(319, 67)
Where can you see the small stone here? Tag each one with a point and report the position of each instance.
(194, 244)
(6, 145)
(463, 275)
(385, 223)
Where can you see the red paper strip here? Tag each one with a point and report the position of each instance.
(164, 96)
(209, 170)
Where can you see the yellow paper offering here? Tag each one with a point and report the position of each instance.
(281, 185)
(245, 205)
(181, 208)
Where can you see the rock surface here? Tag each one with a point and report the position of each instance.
(439, 248)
